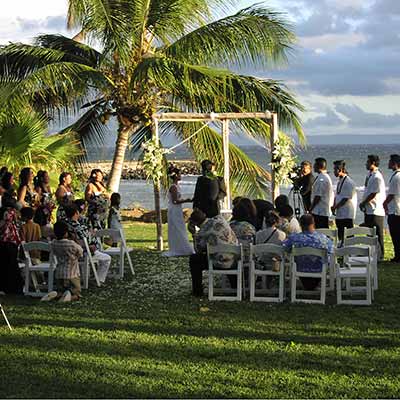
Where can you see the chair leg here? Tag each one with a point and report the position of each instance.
(27, 280)
(323, 288)
(210, 286)
(338, 290)
(51, 279)
(281, 286)
(252, 282)
(122, 264)
(240, 285)
(130, 262)
(293, 291)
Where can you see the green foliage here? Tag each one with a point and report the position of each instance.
(24, 142)
(145, 337)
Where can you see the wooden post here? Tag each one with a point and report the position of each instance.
(157, 197)
(274, 135)
(225, 144)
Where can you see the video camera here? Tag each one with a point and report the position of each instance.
(295, 176)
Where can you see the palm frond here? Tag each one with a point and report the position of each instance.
(255, 35)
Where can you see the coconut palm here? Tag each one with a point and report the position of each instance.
(24, 141)
(156, 55)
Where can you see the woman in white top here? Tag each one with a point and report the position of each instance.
(345, 205)
(178, 241)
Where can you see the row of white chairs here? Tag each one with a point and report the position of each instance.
(355, 261)
(34, 289)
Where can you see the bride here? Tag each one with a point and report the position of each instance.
(178, 241)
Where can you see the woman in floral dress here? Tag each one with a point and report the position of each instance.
(64, 194)
(96, 196)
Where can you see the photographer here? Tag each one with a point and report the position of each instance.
(303, 182)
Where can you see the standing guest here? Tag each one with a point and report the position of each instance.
(206, 193)
(10, 276)
(3, 170)
(79, 231)
(95, 195)
(263, 207)
(30, 231)
(345, 205)
(309, 237)
(305, 183)
(321, 195)
(178, 241)
(374, 196)
(288, 223)
(114, 216)
(213, 231)
(42, 185)
(26, 195)
(67, 275)
(64, 194)
(7, 181)
(392, 205)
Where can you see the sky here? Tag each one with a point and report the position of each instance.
(345, 67)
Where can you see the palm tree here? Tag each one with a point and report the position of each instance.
(156, 55)
(24, 141)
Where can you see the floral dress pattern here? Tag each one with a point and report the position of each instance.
(67, 199)
(98, 210)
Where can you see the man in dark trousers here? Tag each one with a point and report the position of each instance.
(207, 192)
(392, 205)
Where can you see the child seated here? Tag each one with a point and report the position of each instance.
(79, 231)
(67, 253)
(30, 232)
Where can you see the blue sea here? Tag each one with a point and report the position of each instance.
(135, 193)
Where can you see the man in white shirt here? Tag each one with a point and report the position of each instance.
(374, 196)
(345, 205)
(321, 195)
(392, 205)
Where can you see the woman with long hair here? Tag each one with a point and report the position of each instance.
(178, 241)
(95, 195)
(64, 194)
(26, 195)
(42, 184)
(7, 182)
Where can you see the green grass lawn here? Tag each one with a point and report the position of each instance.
(147, 337)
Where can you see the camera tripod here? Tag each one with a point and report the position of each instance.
(5, 317)
(298, 204)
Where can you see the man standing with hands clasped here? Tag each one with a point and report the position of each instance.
(345, 200)
(392, 205)
(321, 195)
(374, 196)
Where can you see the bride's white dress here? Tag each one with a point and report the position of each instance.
(178, 241)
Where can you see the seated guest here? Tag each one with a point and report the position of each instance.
(30, 232)
(262, 207)
(10, 275)
(213, 231)
(309, 237)
(289, 223)
(271, 235)
(281, 201)
(67, 252)
(78, 231)
(242, 222)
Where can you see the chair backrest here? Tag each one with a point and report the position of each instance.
(331, 233)
(361, 240)
(359, 230)
(308, 251)
(233, 249)
(42, 246)
(114, 234)
(353, 251)
(267, 249)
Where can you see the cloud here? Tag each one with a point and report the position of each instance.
(329, 119)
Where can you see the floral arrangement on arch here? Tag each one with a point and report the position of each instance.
(283, 160)
(153, 154)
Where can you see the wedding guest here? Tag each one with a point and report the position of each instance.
(212, 231)
(42, 186)
(345, 204)
(2, 191)
(374, 196)
(26, 195)
(321, 195)
(288, 222)
(392, 205)
(95, 195)
(7, 182)
(243, 218)
(178, 241)
(263, 207)
(206, 194)
(309, 237)
(281, 201)
(10, 276)
(30, 231)
(64, 194)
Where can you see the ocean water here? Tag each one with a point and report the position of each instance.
(136, 193)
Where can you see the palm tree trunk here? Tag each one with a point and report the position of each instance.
(157, 204)
(119, 156)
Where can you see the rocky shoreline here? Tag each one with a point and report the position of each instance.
(134, 169)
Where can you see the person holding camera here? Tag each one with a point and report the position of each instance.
(305, 183)
(374, 196)
(321, 195)
(345, 205)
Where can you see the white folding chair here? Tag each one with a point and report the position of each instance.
(359, 272)
(308, 251)
(359, 231)
(117, 236)
(333, 235)
(88, 263)
(257, 253)
(373, 244)
(32, 270)
(237, 252)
